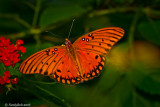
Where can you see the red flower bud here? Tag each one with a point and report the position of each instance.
(14, 81)
(19, 42)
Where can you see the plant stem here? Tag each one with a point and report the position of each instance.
(131, 34)
(16, 35)
(40, 82)
(46, 91)
(29, 4)
(146, 10)
(37, 9)
(16, 18)
(38, 41)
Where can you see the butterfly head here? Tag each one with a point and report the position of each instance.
(67, 42)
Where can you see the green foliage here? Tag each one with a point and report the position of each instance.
(60, 13)
(147, 80)
(131, 77)
(150, 31)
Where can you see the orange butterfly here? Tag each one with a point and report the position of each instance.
(77, 62)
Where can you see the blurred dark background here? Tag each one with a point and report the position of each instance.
(131, 77)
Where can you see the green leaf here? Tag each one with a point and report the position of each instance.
(109, 78)
(149, 84)
(100, 22)
(14, 70)
(150, 31)
(2, 69)
(146, 79)
(60, 13)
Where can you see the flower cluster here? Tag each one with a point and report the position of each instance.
(6, 79)
(9, 52)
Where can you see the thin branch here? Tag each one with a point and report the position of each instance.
(16, 18)
(114, 10)
(50, 93)
(29, 4)
(146, 10)
(52, 39)
(16, 35)
(37, 9)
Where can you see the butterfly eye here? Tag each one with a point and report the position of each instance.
(83, 39)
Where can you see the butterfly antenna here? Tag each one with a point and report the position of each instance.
(52, 33)
(71, 28)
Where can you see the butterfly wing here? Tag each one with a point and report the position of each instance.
(43, 62)
(54, 62)
(92, 48)
(57, 63)
(68, 71)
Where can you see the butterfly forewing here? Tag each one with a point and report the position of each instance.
(43, 62)
(100, 40)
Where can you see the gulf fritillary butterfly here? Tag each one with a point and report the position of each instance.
(77, 62)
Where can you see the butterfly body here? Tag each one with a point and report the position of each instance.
(72, 51)
(77, 62)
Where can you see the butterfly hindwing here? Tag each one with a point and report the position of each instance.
(67, 71)
(92, 64)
